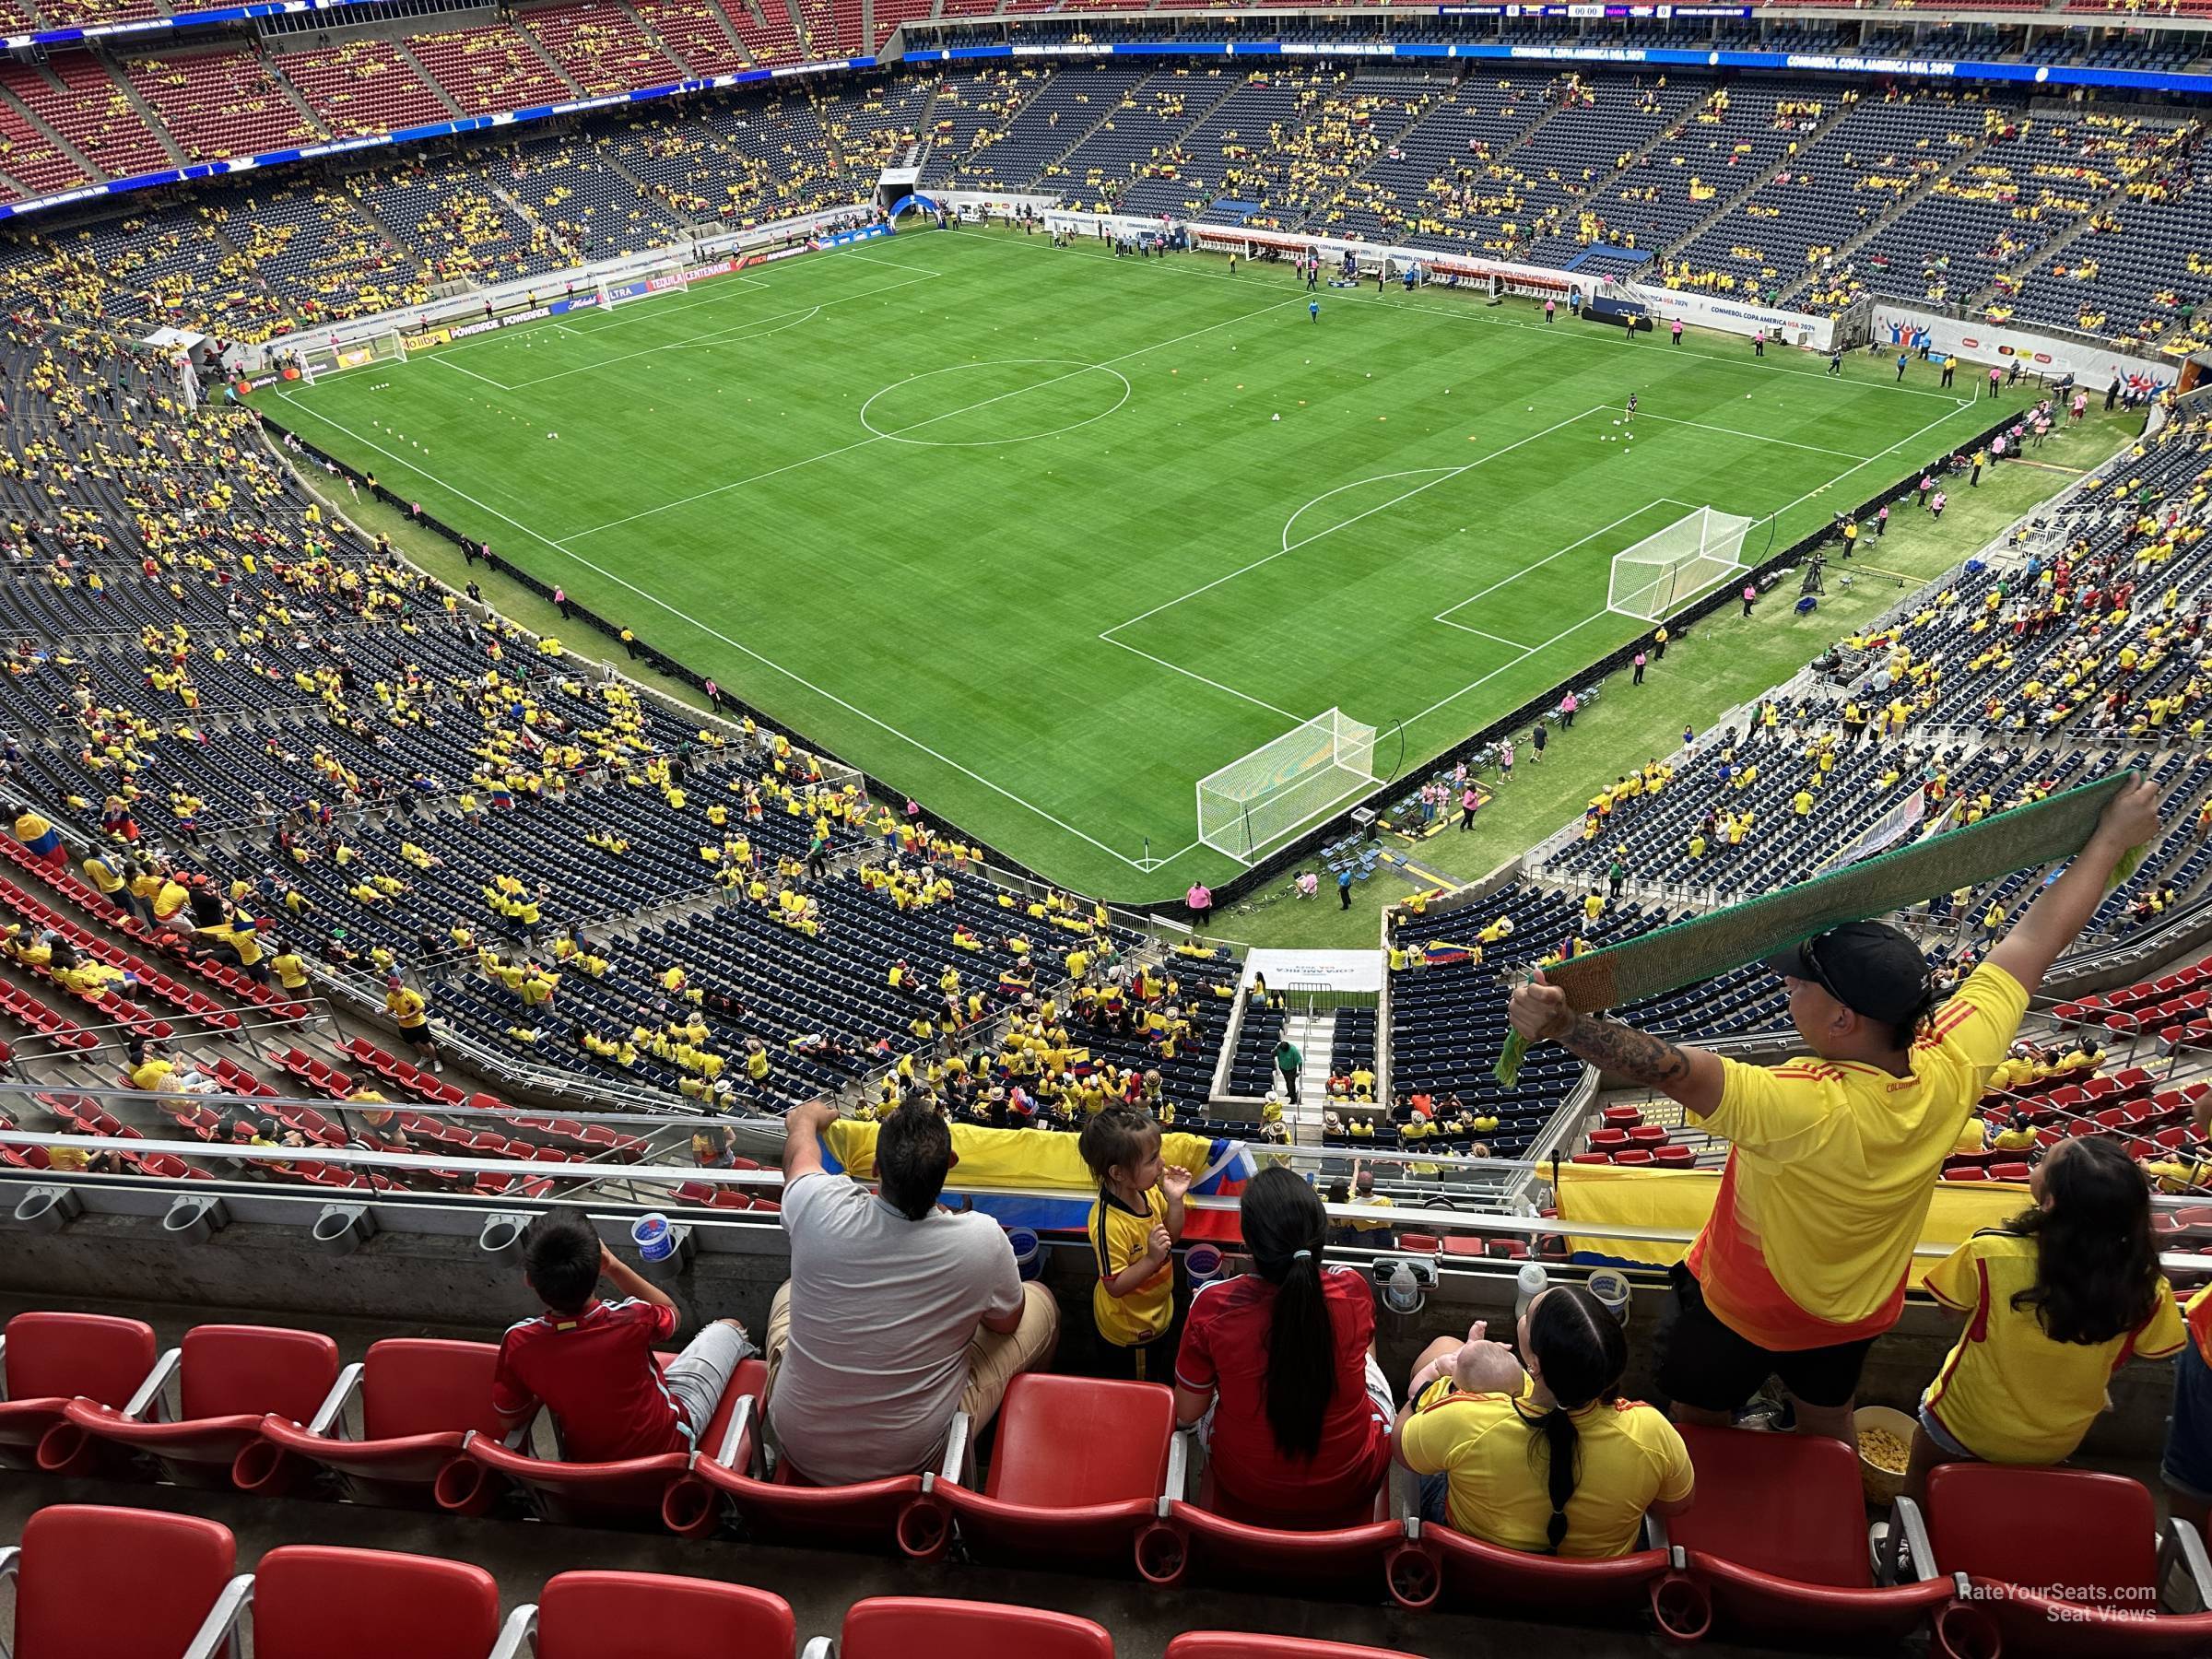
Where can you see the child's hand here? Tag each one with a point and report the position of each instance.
(1162, 1246)
(1174, 1181)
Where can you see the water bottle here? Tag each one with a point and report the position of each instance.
(1532, 1282)
(1401, 1294)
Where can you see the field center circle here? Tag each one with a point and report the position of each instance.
(924, 422)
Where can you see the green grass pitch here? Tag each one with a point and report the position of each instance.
(1014, 527)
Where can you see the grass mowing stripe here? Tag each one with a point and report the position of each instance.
(934, 612)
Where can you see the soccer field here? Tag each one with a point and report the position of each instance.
(1014, 528)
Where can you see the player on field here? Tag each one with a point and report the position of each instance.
(1313, 309)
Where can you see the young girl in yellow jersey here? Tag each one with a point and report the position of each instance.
(2056, 1300)
(1134, 1227)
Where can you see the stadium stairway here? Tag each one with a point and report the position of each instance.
(1895, 210)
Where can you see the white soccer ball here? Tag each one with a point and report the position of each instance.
(1616, 423)
(552, 434)
(1747, 397)
(1275, 416)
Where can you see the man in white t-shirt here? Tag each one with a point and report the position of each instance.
(897, 1313)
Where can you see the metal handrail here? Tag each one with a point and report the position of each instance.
(1400, 1217)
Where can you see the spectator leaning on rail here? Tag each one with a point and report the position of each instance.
(1804, 1261)
(897, 1313)
(1278, 1369)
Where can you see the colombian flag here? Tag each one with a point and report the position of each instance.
(1046, 1161)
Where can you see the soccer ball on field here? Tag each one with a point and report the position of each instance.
(1275, 416)
(552, 434)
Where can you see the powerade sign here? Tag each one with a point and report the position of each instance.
(844, 238)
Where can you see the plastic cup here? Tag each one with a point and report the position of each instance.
(653, 1237)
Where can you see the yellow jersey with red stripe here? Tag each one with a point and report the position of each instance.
(1628, 1457)
(1832, 1171)
(2006, 1392)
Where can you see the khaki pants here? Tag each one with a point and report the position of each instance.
(994, 1360)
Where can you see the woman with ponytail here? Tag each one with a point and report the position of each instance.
(1547, 1459)
(1278, 1369)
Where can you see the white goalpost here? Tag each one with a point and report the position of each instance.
(1663, 571)
(328, 358)
(1263, 798)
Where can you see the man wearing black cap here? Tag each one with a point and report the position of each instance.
(1803, 1260)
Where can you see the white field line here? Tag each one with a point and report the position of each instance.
(878, 437)
(1817, 448)
(1446, 475)
(1446, 615)
(457, 368)
(1216, 685)
(766, 661)
(1585, 622)
(721, 337)
(1570, 336)
(619, 319)
(771, 663)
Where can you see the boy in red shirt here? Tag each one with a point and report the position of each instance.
(591, 1362)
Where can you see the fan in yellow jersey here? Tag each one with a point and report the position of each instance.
(1833, 1158)
(412, 1015)
(2056, 1302)
(1549, 1460)
(1134, 1227)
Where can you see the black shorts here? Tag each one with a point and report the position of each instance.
(1706, 1364)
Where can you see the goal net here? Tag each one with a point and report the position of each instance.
(1663, 571)
(328, 358)
(1263, 798)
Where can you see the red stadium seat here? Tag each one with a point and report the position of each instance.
(1078, 1472)
(418, 1399)
(630, 1492)
(594, 1614)
(1189, 1542)
(1440, 1567)
(310, 1600)
(898, 1512)
(2017, 1533)
(228, 1378)
(1777, 1541)
(114, 1583)
(1235, 1644)
(47, 1359)
(900, 1626)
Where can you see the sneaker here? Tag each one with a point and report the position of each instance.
(437, 1066)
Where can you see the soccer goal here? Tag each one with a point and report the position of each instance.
(327, 359)
(1663, 571)
(1263, 798)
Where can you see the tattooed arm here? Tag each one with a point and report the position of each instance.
(1691, 1076)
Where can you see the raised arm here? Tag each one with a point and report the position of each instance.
(1539, 1012)
(627, 1279)
(803, 1127)
(2062, 909)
